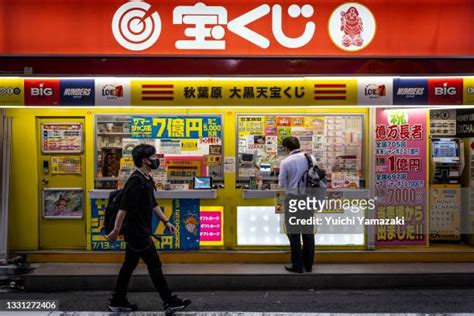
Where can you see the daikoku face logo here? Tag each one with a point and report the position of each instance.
(134, 27)
(352, 26)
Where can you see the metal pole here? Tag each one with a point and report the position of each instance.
(371, 175)
(5, 142)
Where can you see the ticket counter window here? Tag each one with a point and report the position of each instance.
(335, 141)
(188, 147)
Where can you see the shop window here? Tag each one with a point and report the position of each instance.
(189, 147)
(336, 141)
(260, 226)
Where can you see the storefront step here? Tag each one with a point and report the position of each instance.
(440, 253)
(210, 277)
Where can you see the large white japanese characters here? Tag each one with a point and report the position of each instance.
(136, 27)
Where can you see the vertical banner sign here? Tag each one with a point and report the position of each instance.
(401, 177)
(212, 226)
(186, 217)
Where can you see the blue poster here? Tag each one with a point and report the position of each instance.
(77, 91)
(186, 216)
(98, 241)
(410, 91)
(176, 127)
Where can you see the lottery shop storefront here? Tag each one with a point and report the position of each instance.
(216, 99)
(82, 154)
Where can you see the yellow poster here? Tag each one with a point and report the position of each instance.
(189, 145)
(65, 164)
(12, 91)
(468, 90)
(251, 125)
(213, 160)
(183, 167)
(126, 167)
(314, 122)
(297, 121)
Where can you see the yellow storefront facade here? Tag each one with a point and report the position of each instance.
(36, 164)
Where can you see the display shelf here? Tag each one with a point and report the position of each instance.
(164, 194)
(269, 194)
(258, 194)
(114, 134)
(191, 178)
(108, 179)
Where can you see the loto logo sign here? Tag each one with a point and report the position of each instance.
(137, 26)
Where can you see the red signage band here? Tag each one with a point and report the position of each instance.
(237, 28)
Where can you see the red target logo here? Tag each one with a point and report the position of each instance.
(134, 27)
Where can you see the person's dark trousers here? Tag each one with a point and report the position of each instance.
(146, 250)
(302, 257)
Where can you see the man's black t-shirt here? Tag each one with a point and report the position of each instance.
(138, 200)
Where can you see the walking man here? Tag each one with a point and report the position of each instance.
(135, 214)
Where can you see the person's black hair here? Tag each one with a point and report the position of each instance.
(291, 143)
(142, 151)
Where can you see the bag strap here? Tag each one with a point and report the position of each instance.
(309, 160)
(305, 174)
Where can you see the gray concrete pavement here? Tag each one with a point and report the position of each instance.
(230, 277)
(327, 301)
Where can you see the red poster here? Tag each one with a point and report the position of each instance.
(401, 176)
(211, 229)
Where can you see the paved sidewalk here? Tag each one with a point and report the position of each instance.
(197, 277)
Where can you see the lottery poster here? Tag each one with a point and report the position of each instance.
(401, 178)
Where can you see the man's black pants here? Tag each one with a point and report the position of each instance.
(302, 257)
(145, 249)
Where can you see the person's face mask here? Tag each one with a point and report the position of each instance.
(154, 163)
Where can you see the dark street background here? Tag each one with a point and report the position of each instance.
(327, 301)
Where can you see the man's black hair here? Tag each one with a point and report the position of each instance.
(291, 143)
(142, 151)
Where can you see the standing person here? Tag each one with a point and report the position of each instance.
(292, 169)
(136, 211)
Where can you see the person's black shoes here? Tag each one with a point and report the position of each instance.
(308, 269)
(175, 304)
(120, 305)
(290, 268)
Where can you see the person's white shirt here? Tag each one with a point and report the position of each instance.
(292, 169)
